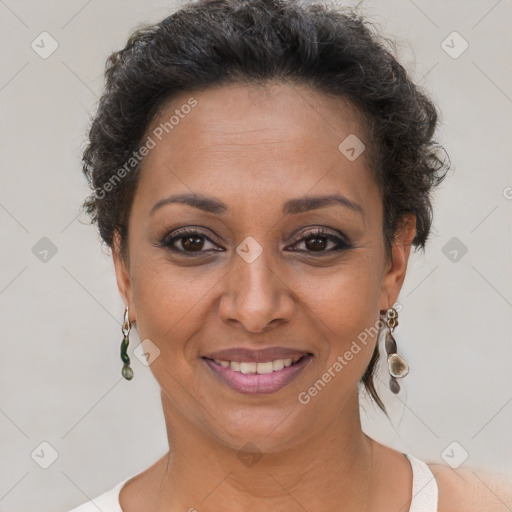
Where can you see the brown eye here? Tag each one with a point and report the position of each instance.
(192, 243)
(188, 242)
(318, 241)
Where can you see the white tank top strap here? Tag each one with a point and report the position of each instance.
(424, 487)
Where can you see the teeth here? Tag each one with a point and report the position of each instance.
(259, 368)
(248, 367)
(277, 365)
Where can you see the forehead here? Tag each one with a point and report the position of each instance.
(254, 139)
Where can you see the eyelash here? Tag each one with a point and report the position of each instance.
(168, 243)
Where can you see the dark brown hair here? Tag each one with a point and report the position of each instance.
(212, 42)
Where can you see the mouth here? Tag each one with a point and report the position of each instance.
(252, 367)
(257, 377)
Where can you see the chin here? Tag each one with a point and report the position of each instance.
(270, 432)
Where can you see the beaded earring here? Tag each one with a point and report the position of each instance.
(397, 365)
(126, 372)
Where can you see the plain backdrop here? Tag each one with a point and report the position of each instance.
(63, 402)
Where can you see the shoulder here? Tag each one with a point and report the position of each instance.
(471, 490)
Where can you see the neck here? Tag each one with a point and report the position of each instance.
(330, 469)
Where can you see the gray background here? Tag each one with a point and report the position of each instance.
(60, 314)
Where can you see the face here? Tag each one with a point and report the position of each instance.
(276, 244)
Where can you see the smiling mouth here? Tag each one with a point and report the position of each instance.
(259, 368)
(251, 377)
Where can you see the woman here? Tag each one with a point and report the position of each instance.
(260, 170)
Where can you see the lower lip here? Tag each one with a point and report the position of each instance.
(255, 383)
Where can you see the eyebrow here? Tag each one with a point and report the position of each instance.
(292, 206)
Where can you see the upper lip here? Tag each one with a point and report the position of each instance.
(264, 355)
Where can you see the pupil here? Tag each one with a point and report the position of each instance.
(196, 243)
(316, 243)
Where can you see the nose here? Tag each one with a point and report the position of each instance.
(255, 296)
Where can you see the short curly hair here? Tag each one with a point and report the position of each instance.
(208, 43)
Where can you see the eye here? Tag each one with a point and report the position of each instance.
(190, 241)
(187, 241)
(318, 240)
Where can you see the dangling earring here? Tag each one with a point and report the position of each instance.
(397, 365)
(126, 372)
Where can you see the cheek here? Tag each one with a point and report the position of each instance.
(170, 300)
(344, 305)
(343, 297)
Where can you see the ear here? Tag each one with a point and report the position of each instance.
(397, 265)
(123, 277)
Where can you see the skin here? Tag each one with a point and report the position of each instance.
(253, 148)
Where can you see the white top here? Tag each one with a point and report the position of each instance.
(424, 492)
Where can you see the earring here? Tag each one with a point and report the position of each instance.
(397, 365)
(126, 372)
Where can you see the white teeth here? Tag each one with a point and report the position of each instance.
(259, 368)
(265, 367)
(277, 365)
(248, 367)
